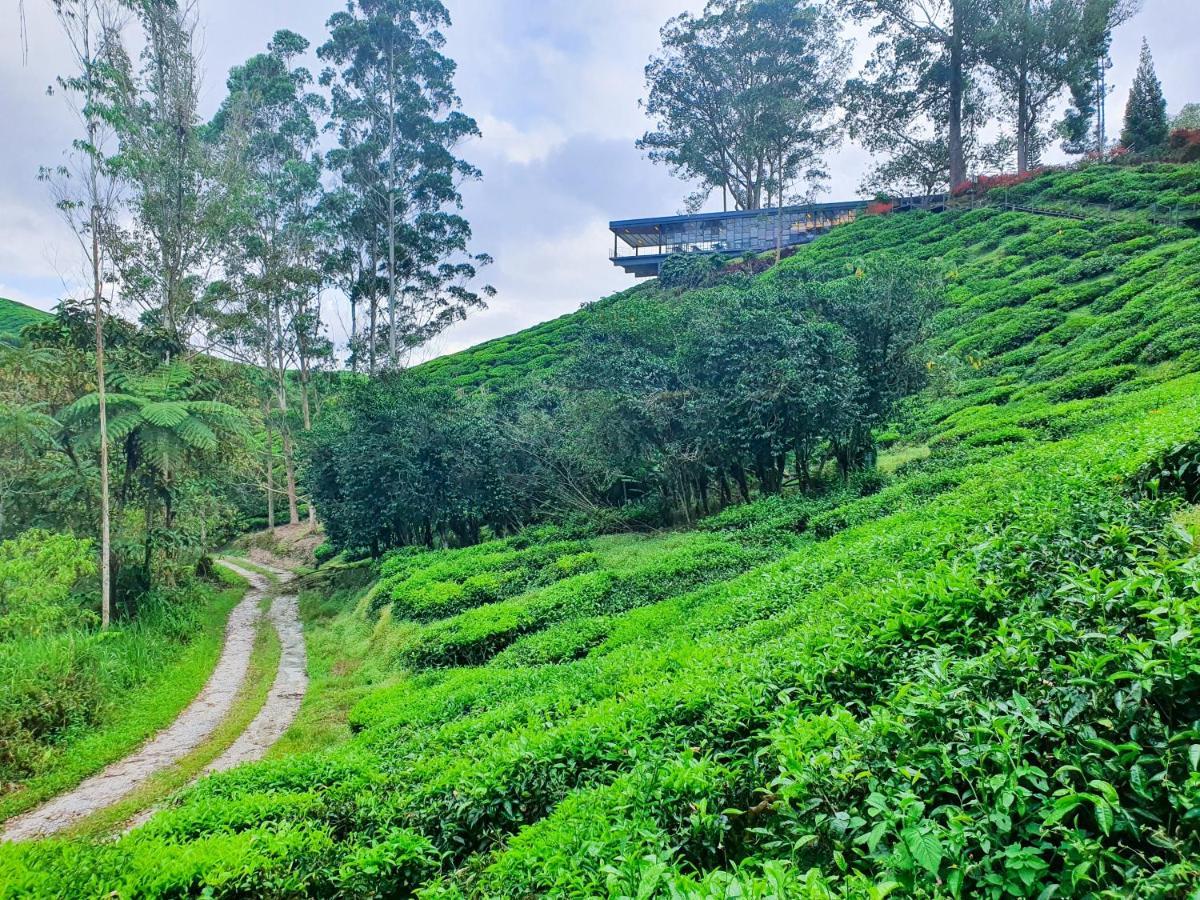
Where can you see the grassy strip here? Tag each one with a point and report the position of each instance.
(264, 662)
(142, 714)
(246, 563)
(346, 662)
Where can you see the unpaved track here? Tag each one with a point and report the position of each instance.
(287, 692)
(197, 722)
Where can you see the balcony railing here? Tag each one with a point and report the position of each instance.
(790, 237)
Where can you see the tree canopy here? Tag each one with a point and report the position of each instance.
(744, 95)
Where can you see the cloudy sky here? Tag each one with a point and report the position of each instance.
(554, 86)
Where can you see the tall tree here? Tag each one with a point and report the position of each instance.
(86, 192)
(1146, 110)
(743, 97)
(274, 262)
(923, 67)
(1083, 128)
(168, 248)
(393, 99)
(1034, 49)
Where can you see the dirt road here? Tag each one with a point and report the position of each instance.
(198, 721)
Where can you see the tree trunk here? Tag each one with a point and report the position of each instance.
(739, 475)
(1024, 125)
(307, 418)
(289, 466)
(105, 524)
(147, 545)
(392, 354)
(289, 463)
(779, 212)
(354, 323)
(373, 311)
(270, 448)
(958, 166)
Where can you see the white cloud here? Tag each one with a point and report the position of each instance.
(554, 87)
(518, 145)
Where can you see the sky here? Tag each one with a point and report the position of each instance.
(554, 86)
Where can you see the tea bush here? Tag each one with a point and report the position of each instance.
(975, 676)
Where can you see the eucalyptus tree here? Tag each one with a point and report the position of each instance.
(1083, 126)
(743, 96)
(274, 261)
(177, 203)
(921, 75)
(1032, 51)
(393, 99)
(356, 209)
(86, 190)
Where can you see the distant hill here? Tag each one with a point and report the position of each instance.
(14, 316)
(1131, 208)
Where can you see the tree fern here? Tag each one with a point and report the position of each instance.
(158, 411)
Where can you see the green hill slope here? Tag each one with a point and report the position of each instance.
(977, 678)
(1132, 205)
(14, 316)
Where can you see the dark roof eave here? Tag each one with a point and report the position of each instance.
(656, 221)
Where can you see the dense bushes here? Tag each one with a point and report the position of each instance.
(38, 572)
(65, 683)
(666, 408)
(689, 271)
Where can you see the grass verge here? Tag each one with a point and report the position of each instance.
(264, 662)
(146, 710)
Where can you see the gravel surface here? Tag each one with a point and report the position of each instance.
(198, 721)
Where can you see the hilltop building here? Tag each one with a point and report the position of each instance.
(640, 245)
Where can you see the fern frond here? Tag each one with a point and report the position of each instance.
(165, 413)
(121, 426)
(197, 435)
(86, 406)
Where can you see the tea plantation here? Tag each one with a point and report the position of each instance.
(14, 316)
(972, 674)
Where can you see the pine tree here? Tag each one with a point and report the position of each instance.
(1146, 111)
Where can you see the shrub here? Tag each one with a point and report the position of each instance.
(38, 571)
(1090, 384)
(688, 271)
(324, 552)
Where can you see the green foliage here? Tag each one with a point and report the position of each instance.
(665, 408)
(772, 72)
(324, 552)
(974, 676)
(1145, 126)
(38, 572)
(1091, 384)
(689, 271)
(66, 682)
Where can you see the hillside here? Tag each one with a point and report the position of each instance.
(14, 316)
(972, 675)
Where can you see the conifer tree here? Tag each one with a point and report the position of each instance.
(1146, 110)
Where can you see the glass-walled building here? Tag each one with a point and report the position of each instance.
(640, 245)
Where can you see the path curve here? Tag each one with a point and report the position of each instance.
(198, 721)
(287, 692)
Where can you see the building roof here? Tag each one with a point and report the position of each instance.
(650, 224)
